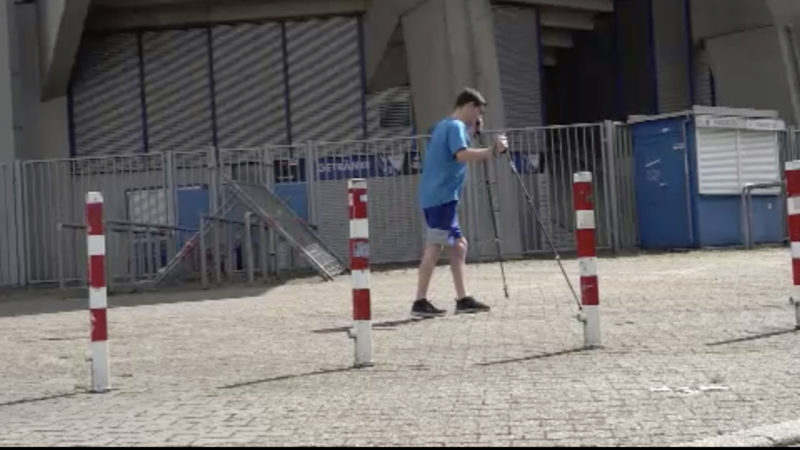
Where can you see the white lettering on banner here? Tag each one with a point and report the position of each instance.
(344, 166)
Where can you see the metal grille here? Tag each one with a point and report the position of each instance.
(389, 113)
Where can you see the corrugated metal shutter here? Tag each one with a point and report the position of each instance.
(249, 85)
(730, 158)
(177, 90)
(717, 164)
(106, 96)
(517, 40)
(758, 157)
(324, 79)
(702, 78)
(672, 55)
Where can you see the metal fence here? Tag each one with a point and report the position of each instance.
(392, 169)
(790, 146)
(547, 158)
(155, 202)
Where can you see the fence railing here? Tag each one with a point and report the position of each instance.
(172, 192)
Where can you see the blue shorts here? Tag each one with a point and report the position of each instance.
(442, 223)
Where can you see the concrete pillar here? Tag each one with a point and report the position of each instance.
(449, 45)
(61, 27)
(7, 68)
(786, 15)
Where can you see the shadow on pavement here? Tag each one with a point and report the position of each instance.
(535, 357)
(288, 377)
(388, 324)
(33, 301)
(754, 337)
(40, 399)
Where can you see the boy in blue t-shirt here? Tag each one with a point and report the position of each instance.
(443, 172)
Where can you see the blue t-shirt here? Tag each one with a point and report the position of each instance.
(442, 174)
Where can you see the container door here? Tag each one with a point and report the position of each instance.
(662, 185)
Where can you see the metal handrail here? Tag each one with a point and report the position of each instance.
(747, 213)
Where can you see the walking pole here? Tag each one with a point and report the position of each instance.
(494, 211)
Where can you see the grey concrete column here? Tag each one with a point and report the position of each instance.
(7, 67)
(449, 45)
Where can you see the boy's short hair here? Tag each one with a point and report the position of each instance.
(469, 95)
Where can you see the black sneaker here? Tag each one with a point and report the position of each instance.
(424, 308)
(468, 305)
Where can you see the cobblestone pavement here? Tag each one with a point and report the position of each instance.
(696, 344)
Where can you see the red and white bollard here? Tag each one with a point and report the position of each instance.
(96, 243)
(587, 258)
(793, 214)
(359, 270)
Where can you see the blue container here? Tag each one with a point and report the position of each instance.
(672, 213)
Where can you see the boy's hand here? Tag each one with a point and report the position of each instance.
(500, 144)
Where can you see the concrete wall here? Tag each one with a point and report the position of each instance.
(786, 14)
(749, 53)
(717, 17)
(749, 71)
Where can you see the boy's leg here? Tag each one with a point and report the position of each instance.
(465, 303)
(435, 239)
(426, 268)
(458, 266)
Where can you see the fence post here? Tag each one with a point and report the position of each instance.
(612, 201)
(248, 247)
(263, 250)
(311, 183)
(359, 269)
(23, 244)
(98, 294)
(793, 213)
(216, 250)
(587, 257)
(203, 261)
(213, 168)
(60, 255)
(172, 201)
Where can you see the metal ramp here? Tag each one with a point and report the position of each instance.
(177, 266)
(277, 215)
